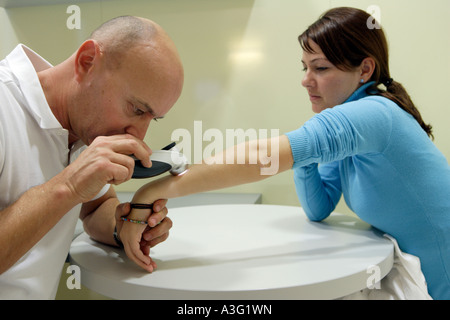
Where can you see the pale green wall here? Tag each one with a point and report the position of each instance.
(242, 61)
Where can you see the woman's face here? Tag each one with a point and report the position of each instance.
(327, 85)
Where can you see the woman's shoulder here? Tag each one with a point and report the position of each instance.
(372, 108)
(372, 101)
(367, 109)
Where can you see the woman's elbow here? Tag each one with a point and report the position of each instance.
(317, 214)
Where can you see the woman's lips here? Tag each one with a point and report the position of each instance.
(313, 97)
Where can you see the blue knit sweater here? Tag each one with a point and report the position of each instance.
(391, 174)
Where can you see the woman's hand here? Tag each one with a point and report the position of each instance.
(137, 238)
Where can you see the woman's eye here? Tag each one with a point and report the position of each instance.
(318, 69)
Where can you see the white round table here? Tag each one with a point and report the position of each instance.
(242, 252)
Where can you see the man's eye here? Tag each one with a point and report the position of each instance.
(136, 110)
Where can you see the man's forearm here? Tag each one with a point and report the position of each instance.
(27, 220)
(99, 217)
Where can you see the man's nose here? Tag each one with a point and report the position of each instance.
(139, 128)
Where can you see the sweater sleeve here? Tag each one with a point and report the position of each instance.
(318, 189)
(359, 127)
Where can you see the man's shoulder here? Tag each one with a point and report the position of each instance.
(11, 95)
(6, 74)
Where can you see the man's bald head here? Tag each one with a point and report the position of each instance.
(124, 28)
(127, 73)
(119, 35)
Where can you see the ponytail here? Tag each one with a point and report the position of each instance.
(398, 94)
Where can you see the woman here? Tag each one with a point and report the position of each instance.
(371, 142)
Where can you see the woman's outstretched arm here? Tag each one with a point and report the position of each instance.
(244, 163)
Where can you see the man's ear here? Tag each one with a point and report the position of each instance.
(87, 55)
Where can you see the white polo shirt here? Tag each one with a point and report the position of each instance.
(33, 149)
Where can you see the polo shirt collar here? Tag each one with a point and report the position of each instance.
(25, 63)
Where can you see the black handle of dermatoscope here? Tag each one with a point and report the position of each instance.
(169, 146)
(157, 168)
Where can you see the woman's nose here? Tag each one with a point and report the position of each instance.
(307, 80)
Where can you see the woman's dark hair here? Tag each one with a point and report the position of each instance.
(346, 39)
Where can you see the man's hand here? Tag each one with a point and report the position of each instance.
(137, 239)
(106, 160)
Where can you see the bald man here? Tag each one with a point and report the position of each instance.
(66, 133)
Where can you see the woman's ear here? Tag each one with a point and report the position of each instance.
(87, 55)
(367, 68)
